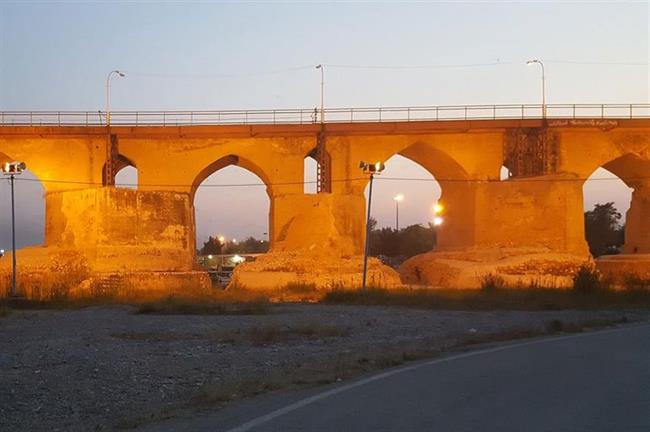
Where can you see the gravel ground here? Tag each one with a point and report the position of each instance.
(106, 368)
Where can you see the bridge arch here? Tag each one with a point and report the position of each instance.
(224, 162)
(30, 208)
(214, 208)
(633, 186)
(451, 186)
(126, 172)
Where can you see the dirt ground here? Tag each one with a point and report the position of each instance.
(108, 368)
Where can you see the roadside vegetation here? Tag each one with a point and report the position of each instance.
(590, 291)
(179, 306)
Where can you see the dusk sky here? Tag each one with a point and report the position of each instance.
(211, 56)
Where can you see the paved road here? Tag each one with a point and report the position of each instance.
(589, 382)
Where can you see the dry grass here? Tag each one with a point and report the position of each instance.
(503, 299)
(178, 306)
(636, 285)
(257, 336)
(492, 282)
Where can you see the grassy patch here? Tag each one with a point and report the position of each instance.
(177, 306)
(503, 299)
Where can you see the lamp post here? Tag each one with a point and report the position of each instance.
(12, 169)
(372, 169)
(397, 198)
(108, 94)
(322, 92)
(539, 62)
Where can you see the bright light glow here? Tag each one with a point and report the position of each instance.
(437, 221)
(234, 240)
(209, 256)
(13, 168)
(438, 208)
(221, 239)
(399, 197)
(238, 259)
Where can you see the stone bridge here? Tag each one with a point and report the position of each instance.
(105, 240)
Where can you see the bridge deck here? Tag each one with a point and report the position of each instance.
(332, 129)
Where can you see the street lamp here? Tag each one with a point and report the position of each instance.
(539, 62)
(437, 214)
(12, 169)
(372, 169)
(322, 92)
(108, 94)
(397, 198)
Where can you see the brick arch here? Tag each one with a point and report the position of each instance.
(120, 162)
(631, 168)
(224, 162)
(440, 164)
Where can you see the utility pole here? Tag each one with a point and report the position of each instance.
(372, 169)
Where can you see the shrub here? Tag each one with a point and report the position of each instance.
(587, 280)
(635, 284)
(492, 282)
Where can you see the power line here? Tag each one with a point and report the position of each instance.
(437, 66)
(220, 75)
(597, 63)
(345, 180)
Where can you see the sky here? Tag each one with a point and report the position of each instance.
(55, 56)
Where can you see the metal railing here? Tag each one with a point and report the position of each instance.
(332, 115)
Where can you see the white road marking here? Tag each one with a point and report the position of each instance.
(310, 400)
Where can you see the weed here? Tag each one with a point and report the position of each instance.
(635, 284)
(508, 299)
(491, 282)
(300, 288)
(587, 280)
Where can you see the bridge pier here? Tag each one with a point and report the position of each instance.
(634, 262)
(528, 231)
(317, 243)
(111, 242)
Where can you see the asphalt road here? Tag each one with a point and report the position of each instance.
(598, 381)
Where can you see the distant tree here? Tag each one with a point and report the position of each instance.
(603, 229)
(250, 245)
(373, 224)
(417, 239)
(211, 247)
(407, 242)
